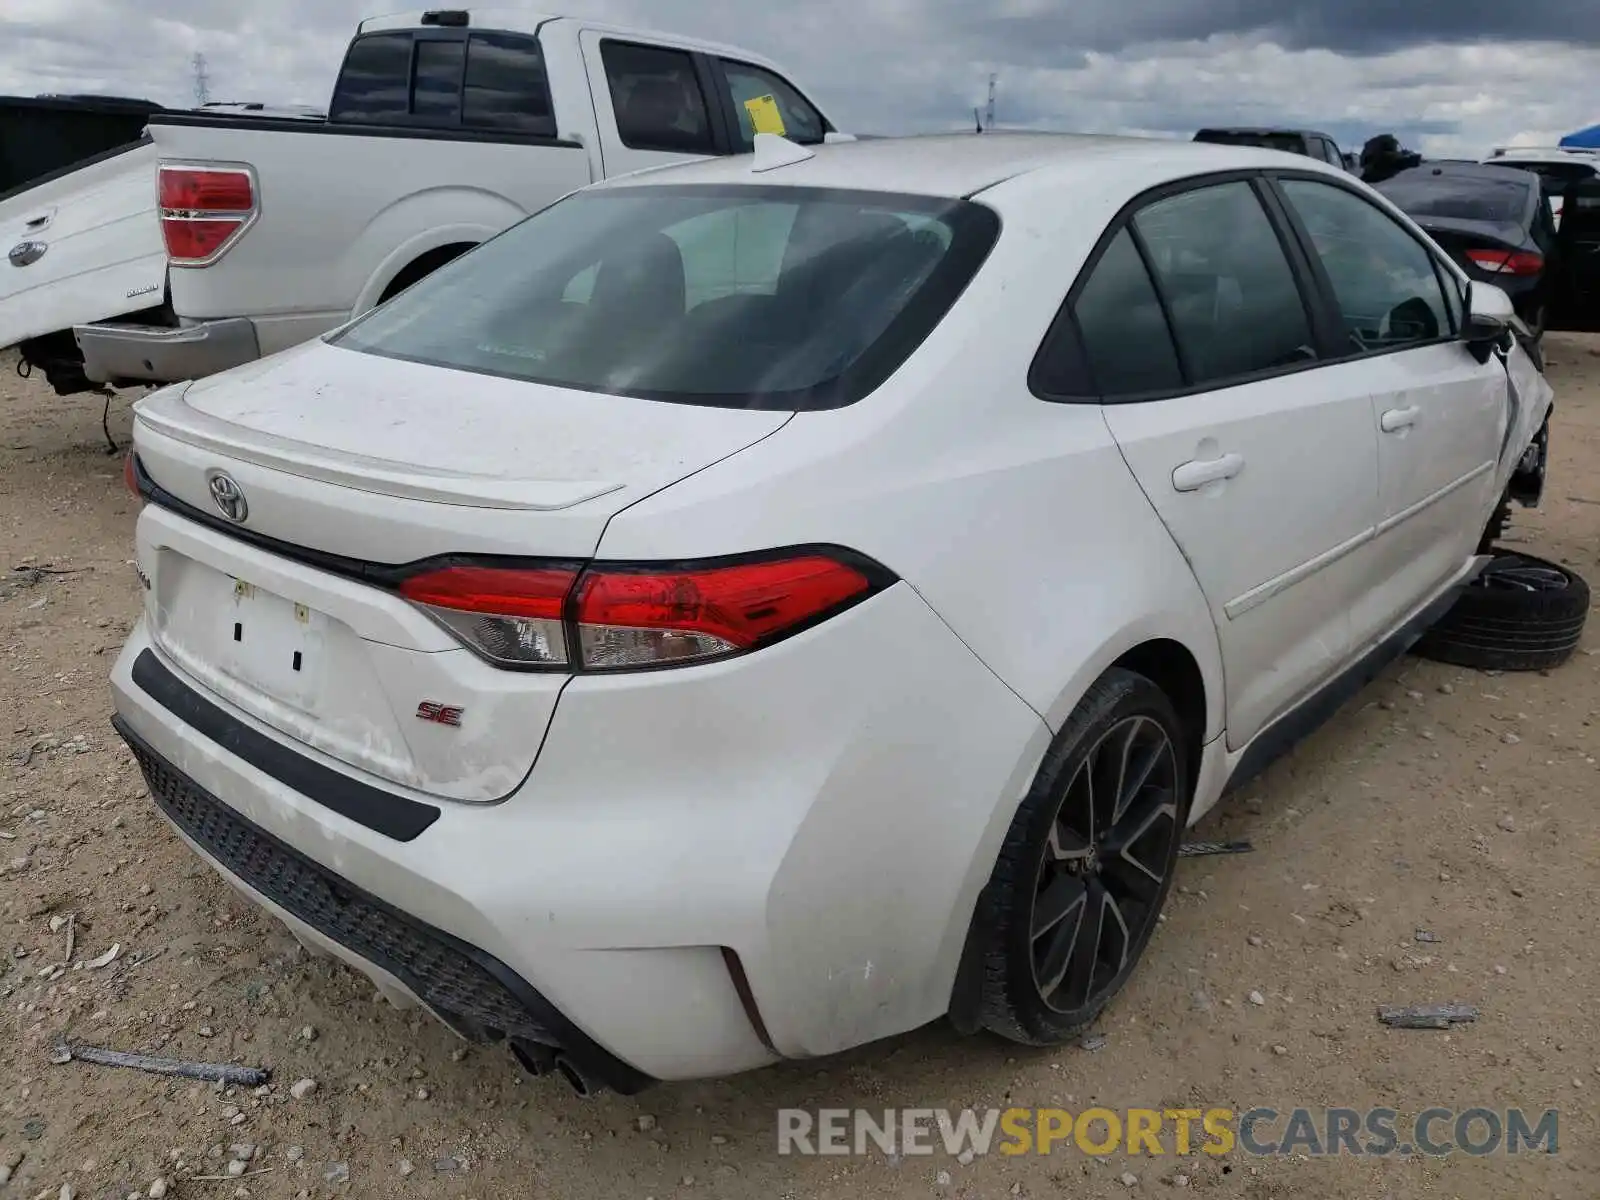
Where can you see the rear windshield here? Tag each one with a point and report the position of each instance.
(1294, 143)
(741, 297)
(1461, 197)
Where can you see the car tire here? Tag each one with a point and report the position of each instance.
(1521, 614)
(1070, 867)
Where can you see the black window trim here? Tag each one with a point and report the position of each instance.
(422, 125)
(1342, 351)
(1065, 335)
(705, 78)
(718, 65)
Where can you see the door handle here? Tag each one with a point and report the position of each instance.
(1397, 419)
(1192, 476)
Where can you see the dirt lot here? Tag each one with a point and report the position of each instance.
(1393, 819)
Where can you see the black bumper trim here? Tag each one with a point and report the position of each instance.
(473, 991)
(380, 811)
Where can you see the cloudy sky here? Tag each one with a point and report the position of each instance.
(1451, 78)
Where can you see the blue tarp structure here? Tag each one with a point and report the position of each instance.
(1586, 138)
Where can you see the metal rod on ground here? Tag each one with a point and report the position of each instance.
(210, 1072)
(1204, 849)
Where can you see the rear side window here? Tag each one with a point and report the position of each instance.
(657, 98)
(1235, 305)
(1125, 336)
(375, 82)
(768, 103)
(506, 86)
(781, 298)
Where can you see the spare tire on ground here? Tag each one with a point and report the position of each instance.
(1521, 614)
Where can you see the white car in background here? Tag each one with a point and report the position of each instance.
(754, 608)
(1558, 166)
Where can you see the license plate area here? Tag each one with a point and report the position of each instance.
(273, 645)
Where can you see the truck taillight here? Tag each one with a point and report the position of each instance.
(204, 210)
(619, 616)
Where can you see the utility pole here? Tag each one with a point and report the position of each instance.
(989, 121)
(202, 80)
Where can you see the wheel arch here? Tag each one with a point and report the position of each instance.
(1192, 681)
(422, 266)
(1171, 667)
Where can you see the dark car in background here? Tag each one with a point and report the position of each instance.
(1307, 142)
(1492, 221)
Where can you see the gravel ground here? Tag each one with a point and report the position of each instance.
(1440, 799)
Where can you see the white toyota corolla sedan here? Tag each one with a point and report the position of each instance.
(758, 607)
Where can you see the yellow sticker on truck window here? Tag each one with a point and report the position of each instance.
(765, 116)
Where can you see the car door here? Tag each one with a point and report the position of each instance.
(1440, 415)
(1260, 459)
(654, 103)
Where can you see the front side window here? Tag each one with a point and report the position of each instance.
(656, 95)
(737, 296)
(1384, 281)
(1236, 308)
(767, 103)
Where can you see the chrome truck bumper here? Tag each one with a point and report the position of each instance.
(119, 354)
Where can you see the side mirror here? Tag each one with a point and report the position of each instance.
(1489, 317)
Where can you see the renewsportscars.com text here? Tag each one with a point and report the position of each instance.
(1261, 1131)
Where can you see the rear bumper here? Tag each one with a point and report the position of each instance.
(117, 354)
(707, 870)
(474, 993)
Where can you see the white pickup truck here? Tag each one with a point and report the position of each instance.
(230, 237)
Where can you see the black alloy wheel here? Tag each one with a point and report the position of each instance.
(1086, 866)
(1104, 865)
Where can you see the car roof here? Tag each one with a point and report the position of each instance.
(964, 164)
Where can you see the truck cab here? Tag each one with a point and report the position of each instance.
(1306, 142)
(445, 128)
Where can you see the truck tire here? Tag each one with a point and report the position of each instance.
(1521, 614)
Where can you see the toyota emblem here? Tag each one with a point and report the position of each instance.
(228, 496)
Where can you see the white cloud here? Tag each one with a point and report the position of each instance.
(891, 66)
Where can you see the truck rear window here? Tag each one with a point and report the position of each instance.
(1293, 143)
(446, 79)
(735, 296)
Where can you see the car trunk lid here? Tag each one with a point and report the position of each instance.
(350, 465)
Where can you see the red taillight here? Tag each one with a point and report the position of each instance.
(1507, 262)
(196, 240)
(130, 476)
(619, 616)
(203, 209)
(635, 618)
(206, 189)
(511, 616)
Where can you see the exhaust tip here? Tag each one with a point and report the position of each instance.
(536, 1060)
(580, 1083)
